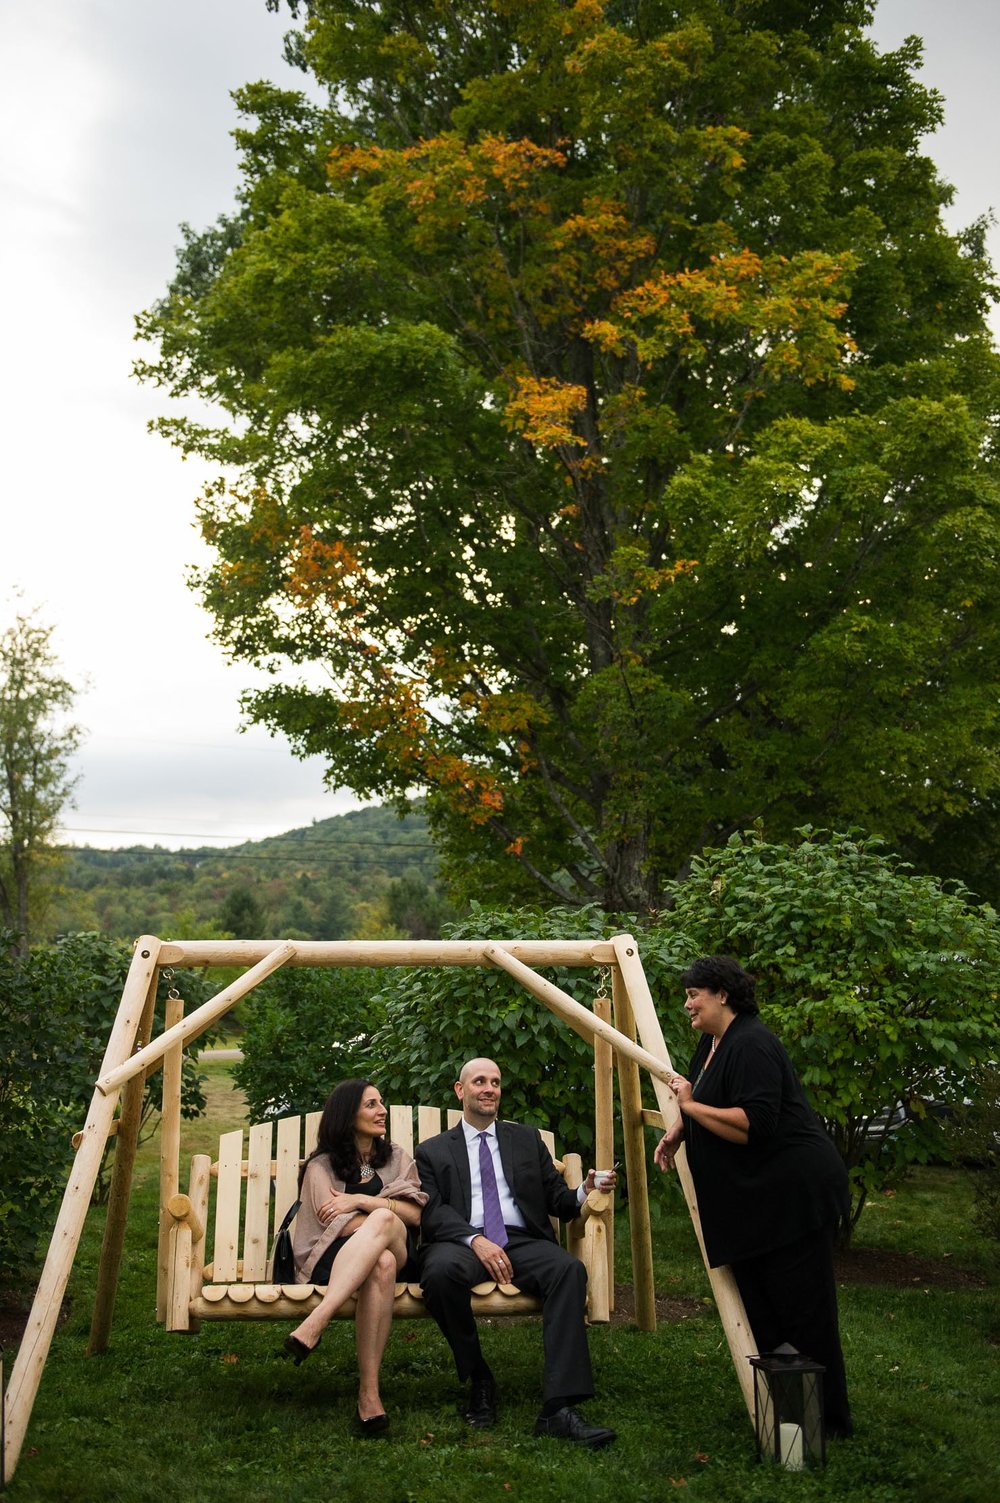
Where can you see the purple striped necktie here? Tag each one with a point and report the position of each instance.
(493, 1225)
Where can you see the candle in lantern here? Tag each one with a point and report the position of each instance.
(791, 1447)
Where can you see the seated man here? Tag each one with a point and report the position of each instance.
(491, 1188)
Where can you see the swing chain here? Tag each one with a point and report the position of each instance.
(173, 995)
(601, 995)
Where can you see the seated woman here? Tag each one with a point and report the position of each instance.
(360, 1197)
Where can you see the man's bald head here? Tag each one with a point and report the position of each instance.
(478, 1089)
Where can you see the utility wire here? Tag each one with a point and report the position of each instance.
(332, 844)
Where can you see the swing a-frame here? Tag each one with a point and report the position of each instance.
(624, 1031)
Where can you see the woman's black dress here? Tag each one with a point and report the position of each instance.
(321, 1273)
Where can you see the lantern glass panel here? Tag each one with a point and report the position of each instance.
(788, 1409)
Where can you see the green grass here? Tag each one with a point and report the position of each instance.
(929, 1215)
(217, 1418)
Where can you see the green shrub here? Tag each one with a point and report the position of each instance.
(57, 1007)
(881, 984)
(438, 1017)
(303, 1031)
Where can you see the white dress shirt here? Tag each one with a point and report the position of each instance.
(511, 1215)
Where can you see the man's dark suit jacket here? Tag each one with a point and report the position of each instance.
(538, 1188)
(539, 1192)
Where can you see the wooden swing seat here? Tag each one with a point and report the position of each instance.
(229, 1280)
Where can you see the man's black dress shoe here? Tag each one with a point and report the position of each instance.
(481, 1410)
(566, 1424)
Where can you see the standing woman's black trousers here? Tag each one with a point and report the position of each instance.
(790, 1294)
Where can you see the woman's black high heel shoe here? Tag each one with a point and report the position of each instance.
(377, 1425)
(297, 1350)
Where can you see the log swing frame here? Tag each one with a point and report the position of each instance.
(624, 1031)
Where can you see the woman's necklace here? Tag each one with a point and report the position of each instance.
(366, 1172)
(711, 1052)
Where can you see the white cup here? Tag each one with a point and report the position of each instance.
(604, 1179)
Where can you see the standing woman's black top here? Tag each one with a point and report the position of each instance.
(788, 1179)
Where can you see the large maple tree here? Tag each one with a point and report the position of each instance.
(613, 423)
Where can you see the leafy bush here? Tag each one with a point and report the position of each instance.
(438, 1017)
(303, 1030)
(57, 1007)
(881, 984)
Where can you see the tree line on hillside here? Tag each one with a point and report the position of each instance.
(367, 874)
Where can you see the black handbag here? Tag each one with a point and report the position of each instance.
(281, 1264)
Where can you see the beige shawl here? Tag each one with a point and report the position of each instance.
(312, 1236)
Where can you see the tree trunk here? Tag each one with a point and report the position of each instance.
(628, 883)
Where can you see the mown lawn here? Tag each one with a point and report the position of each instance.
(218, 1418)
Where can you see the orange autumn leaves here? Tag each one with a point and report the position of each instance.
(541, 261)
(394, 709)
(788, 309)
(384, 706)
(543, 410)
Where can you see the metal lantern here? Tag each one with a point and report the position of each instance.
(788, 1408)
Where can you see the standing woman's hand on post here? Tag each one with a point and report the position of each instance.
(681, 1089)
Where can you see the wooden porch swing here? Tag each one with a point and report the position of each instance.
(251, 1196)
(252, 1192)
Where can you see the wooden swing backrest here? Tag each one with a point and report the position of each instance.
(244, 1197)
(252, 1194)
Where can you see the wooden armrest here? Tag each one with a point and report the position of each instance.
(181, 1209)
(596, 1204)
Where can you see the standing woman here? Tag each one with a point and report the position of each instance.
(360, 1196)
(771, 1186)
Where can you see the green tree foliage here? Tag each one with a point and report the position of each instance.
(438, 1017)
(37, 743)
(416, 910)
(615, 423)
(303, 1031)
(241, 914)
(881, 983)
(57, 1007)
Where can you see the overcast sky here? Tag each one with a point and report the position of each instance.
(114, 122)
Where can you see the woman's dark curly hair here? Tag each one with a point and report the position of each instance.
(336, 1133)
(721, 973)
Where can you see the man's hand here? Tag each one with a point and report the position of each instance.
(609, 1181)
(494, 1259)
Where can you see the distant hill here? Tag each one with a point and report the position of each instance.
(365, 874)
